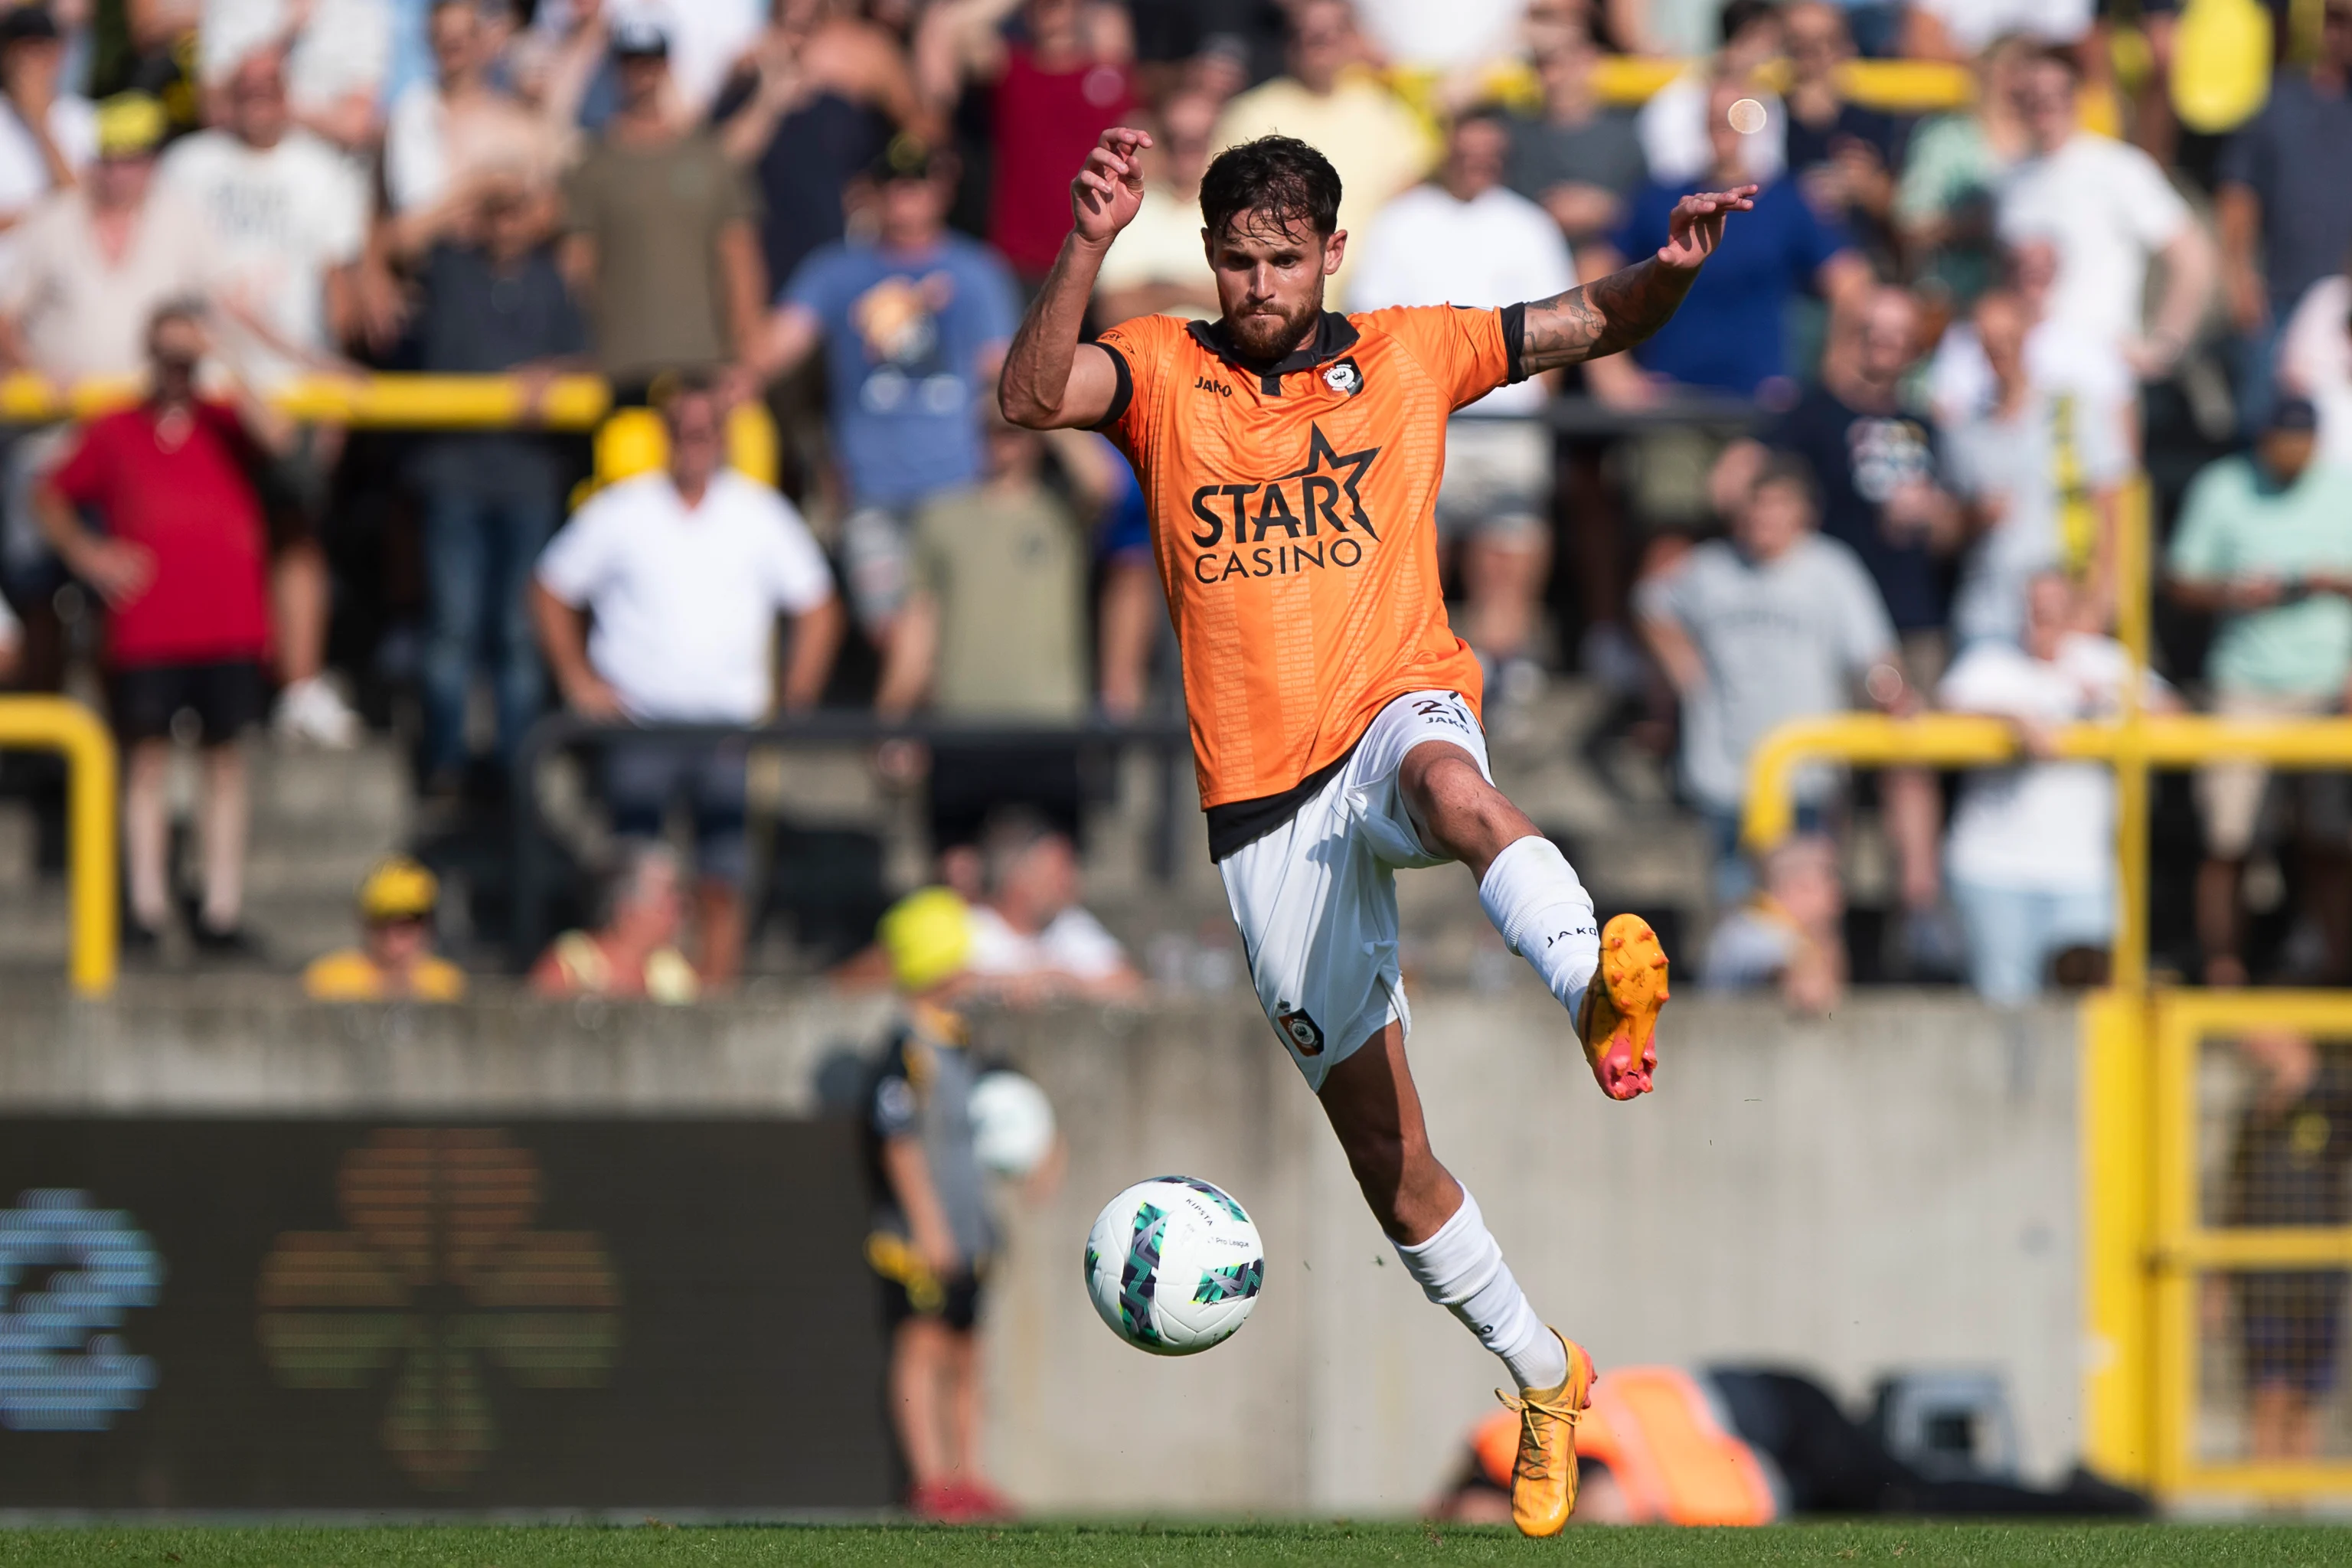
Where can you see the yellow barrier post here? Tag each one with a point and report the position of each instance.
(52, 723)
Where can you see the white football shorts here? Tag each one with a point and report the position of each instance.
(1316, 898)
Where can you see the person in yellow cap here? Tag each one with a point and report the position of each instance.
(395, 960)
(932, 1236)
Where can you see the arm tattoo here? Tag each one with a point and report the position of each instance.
(1603, 316)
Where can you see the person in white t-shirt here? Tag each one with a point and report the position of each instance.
(287, 215)
(2061, 359)
(684, 571)
(287, 211)
(2109, 210)
(47, 137)
(2030, 857)
(2043, 472)
(337, 54)
(1464, 239)
(1031, 938)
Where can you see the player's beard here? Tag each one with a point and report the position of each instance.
(1265, 334)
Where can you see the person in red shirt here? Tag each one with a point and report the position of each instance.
(1061, 81)
(183, 566)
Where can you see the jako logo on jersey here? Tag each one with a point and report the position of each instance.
(1318, 502)
(1343, 377)
(1300, 1030)
(1209, 384)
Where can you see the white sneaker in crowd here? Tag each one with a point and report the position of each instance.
(313, 712)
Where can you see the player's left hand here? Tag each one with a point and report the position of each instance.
(1696, 227)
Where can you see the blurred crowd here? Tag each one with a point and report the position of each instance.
(1880, 459)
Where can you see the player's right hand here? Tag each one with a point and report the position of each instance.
(1109, 190)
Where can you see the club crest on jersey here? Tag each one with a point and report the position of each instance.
(1344, 377)
(1304, 1036)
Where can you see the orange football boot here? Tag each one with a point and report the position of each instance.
(1543, 1477)
(1620, 1024)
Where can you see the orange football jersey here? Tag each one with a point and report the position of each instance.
(1293, 517)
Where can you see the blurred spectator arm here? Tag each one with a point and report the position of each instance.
(910, 660)
(1926, 38)
(12, 642)
(1088, 462)
(1665, 631)
(1871, 651)
(351, 121)
(270, 432)
(744, 276)
(156, 25)
(2237, 214)
(561, 84)
(119, 571)
(1845, 281)
(963, 40)
(788, 336)
(2190, 265)
(1581, 210)
(564, 637)
(816, 638)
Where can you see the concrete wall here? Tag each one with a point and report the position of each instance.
(1892, 1186)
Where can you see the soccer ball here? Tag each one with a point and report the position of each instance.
(1174, 1265)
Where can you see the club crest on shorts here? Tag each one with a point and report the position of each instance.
(1343, 377)
(1304, 1035)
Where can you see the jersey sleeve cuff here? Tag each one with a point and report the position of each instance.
(1515, 340)
(1122, 395)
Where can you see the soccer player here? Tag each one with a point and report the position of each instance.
(1292, 458)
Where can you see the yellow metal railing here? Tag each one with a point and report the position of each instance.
(2133, 745)
(56, 724)
(2184, 1250)
(1898, 87)
(403, 402)
(2144, 1249)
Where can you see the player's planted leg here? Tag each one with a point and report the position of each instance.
(1533, 897)
(1444, 1244)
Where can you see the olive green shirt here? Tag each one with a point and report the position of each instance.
(1009, 573)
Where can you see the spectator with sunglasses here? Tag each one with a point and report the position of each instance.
(395, 960)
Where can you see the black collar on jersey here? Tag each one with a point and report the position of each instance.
(1334, 335)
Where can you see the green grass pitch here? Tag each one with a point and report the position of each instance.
(1915, 1545)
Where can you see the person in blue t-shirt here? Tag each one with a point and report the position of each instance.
(914, 323)
(1730, 334)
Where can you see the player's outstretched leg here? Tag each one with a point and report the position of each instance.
(1532, 895)
(1444, 1244)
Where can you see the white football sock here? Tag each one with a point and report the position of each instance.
(1532, 896)
(1463, 1270)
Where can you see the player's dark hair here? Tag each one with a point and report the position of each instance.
(1740, 15)
(1276, 180)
